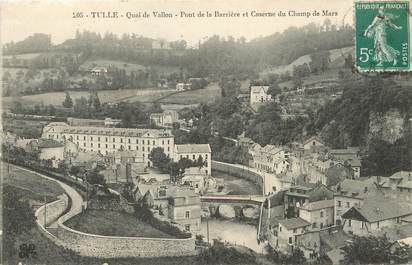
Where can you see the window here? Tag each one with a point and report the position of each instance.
(194, 157)
(290, 240)
(280, 229)
(321, 225)
(187, 214)
(168, 149)
(142, 141)
(350, 223)
(347, 204)
(148, 148)
(128, 140)
(363, 225)
(137, 141)
(321, 213)
(295, 230)
(98, 139)
(121, 140)
(314, 225)
(377, 224)
(84, 144)
(130, 148)
(91, 138)
(114, 146)
(98, 145)
(137, 148)
(114, 140)
(84, 138)
(153, 142)
(77, 137)
(163, 142)
(107, 139)
(168, 141)
(91, 144)
(106, 146)
(206, 156)
(339, 204)
(187, 227)
(143, 148)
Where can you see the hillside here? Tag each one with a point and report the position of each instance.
(375, 114)
(337, 57)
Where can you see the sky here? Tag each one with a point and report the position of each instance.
(21, 18)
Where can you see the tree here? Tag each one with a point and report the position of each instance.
(18, 218)
(68, 102)
(159, 159)
(319, 61)
(373, 249)
(94, 177)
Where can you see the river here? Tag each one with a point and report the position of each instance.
(233, 232)
(236, 185)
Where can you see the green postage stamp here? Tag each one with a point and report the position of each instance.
(382, 36)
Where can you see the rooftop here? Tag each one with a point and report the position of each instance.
(377, 209)
(49, 143)
(259, 89)
(318, 205)
(293, 223)
(193, 148)
(94, 130)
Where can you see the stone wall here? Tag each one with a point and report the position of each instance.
(238, 171)
(123, 247)
(53, 210)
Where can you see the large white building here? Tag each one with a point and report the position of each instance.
(194, 152)
(259, 94)
(108, 140)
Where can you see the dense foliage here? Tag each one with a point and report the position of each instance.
(371, 249)
(222, 254)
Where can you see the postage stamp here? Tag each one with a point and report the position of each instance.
(382, 36)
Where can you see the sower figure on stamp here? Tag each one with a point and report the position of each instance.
(377, 29)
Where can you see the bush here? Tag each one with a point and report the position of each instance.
(222, 254)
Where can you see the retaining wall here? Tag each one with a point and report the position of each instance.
(239, 171)
(122, 247)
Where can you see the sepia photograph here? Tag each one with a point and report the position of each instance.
(183, 132)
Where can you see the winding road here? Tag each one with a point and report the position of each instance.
(76, 198)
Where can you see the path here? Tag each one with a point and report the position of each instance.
(76, 198)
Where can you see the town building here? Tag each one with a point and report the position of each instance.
(194, 152)
(108, 140)
(285, 233)
(178, 205)
(349, 157)
(51, 150)
(351, 193)
(197, 179)
(259, 94)
(313, 144)
(98, 71)
(271, 159)
(375, 214)
(319, 213)
(299, 195)
(183, 86)
(164, 119)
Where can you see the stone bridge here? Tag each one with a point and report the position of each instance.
(246, 199)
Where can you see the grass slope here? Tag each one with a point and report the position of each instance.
(113, 223)
(35, 186)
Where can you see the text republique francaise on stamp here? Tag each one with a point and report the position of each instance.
(382, 36)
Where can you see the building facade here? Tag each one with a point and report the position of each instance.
(259, 94)
(195, 152)
(109, 140)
